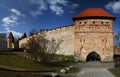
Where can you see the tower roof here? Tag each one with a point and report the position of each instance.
(94, 13)
(11, 36)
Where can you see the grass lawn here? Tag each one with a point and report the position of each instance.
(4, 73)
(65, 57)
(115, 71)
(13, 60)
(16, 61)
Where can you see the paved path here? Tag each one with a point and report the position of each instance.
(94, 70)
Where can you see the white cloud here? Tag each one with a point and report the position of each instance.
(74, 5)
(55, 2)
(114, 6)
(18, 13)
(57, 9)
(15, 33)
(10, 21)
(56, 6)
(41, 6)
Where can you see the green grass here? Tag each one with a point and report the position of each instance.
(4, 73)
(65, 57)
(107, 61)
(17, 74)
(115, 71)
(16, 61)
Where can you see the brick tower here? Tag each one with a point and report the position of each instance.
(94, 35)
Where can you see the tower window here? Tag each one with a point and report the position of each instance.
(80, 22)
(84, 40)
(80, 40)
(102, 22)
(85, 22)
(93, 22)
(106, 22)
(106, 40)
(102, 40)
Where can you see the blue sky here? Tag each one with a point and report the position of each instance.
(21, 16)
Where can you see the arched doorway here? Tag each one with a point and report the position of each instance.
(93, 56)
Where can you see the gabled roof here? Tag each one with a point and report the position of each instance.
(11, 36)
(94, 13)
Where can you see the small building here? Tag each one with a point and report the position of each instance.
(2, 41)
(10, 40)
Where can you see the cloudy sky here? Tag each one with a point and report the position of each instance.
(21, 16)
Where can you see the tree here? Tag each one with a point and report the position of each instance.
(16, 43)
(32, 32)
(42, 49)
(24, 35)
(117, 39)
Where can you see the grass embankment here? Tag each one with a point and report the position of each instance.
(13, 60)
(65, 58)
(16, 61)
(4, 73)
(115, 71)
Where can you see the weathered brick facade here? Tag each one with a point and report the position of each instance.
(94, 35)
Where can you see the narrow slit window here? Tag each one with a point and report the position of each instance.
(80, 22)
(102, 22)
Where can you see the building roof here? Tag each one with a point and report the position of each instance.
(11, 36)
(94, 13)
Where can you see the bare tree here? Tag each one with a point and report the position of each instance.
(32, 32)
(117, 39)
(42, 49)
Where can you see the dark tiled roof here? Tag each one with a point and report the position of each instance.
(94, 12)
